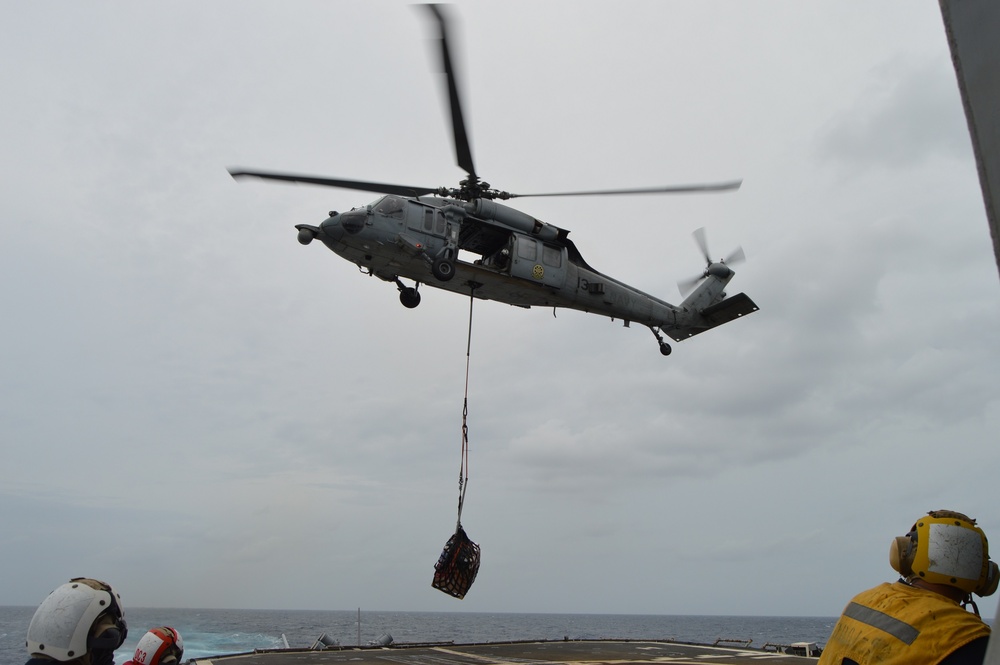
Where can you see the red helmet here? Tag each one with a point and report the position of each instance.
(159, 646)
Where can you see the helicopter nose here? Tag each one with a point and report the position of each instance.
(332, 228)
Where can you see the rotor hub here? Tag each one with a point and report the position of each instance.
(472, 188)
(720, 270)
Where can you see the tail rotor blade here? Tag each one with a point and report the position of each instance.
(687, 286)
(699, 237)
(735, 257)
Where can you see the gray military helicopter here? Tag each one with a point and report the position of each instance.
(416, 233)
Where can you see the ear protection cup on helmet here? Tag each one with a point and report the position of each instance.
(107, 635)
(988, 585)
(901, 555)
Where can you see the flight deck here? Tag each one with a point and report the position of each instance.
(575, 652)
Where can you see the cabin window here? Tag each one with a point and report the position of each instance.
(434, 221)
(551, 256)
(390, 206)
(527, 249)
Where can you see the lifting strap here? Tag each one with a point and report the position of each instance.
(463, 472)
(458, 565)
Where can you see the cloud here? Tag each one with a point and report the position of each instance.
(187, 390)
(909, 117)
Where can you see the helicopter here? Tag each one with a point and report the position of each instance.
(417, 234)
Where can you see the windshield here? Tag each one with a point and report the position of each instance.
(390, 206)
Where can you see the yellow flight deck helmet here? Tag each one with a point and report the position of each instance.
(946, 547)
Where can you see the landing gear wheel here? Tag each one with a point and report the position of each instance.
(664, 347)
(410, 297)
(443, 269)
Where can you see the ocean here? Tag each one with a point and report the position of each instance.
(213, 632)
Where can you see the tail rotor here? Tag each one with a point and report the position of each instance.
(718, 268)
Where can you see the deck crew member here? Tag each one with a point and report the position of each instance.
(159, 646)
(921, 619)
(81, 623)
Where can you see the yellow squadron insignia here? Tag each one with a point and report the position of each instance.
(538, 272)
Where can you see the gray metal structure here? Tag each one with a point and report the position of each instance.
(417, 233)
(973, 29)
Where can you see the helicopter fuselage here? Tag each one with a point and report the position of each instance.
(509, 257)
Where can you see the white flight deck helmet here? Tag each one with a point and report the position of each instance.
(159, 646)
(79, 617)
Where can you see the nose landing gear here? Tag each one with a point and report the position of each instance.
(443, 269)
(443, 265)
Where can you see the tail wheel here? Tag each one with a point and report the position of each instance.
(665, 348)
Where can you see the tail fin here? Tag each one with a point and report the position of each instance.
(709, 292)
(707, 307)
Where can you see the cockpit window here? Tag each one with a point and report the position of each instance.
(390, 206)
(354, 220)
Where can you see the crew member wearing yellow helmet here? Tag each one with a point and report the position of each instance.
(921, 619)
(80, 623)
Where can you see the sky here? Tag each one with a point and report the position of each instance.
(203, 412)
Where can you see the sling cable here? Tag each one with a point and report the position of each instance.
(456, 568)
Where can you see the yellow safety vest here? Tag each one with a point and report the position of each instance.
(897, 624)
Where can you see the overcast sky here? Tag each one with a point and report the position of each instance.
(205, 413)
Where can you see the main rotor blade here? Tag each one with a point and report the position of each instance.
(382, 188)
(675, 189)
(463, 151)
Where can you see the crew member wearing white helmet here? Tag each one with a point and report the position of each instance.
(159, 646)
(82, 623)
(921, 619)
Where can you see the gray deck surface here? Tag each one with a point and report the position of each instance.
(596, 652)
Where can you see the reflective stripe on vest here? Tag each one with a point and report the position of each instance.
(901, 630)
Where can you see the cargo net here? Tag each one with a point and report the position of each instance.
(456, 568)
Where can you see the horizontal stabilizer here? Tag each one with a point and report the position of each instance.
(728, 310)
